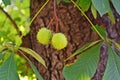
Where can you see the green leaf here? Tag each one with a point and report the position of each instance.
(94, 11)
(58, 1)
(83, 49)
(2, 54)
(2, 48)
(85, 66)
(66, 0)
(8, 69)
(116, 4)
(35, 70)
(102, 31)
(84, 4)
(33, 54)
(111, 16)
(112, 71)
(6, 2)
(102, 6)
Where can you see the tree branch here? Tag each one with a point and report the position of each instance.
(12, 21)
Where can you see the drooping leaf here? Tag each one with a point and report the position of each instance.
(84, 4)
(6, 2)
(94, 11)
(33, 54)
(111, 16)
(8, 69)
(116, 4)
(84, 48)
(85, 66)
(112, 71)
(35, 70)
(102, 6)
(102, 31)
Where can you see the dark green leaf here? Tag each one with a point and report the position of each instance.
(102, 6)
(35, 70)
(112, 71)
(6, 2)
(102, 31)
(116, 4)
(85, 66)
(84, 4)
(8, 69)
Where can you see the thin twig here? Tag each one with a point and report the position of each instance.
(92, 25)
(55, 14)
(55, 18)
(9, 17)
(39, 11)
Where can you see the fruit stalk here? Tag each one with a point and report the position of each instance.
(55, 18)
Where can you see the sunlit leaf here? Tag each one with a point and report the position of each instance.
(94, 11)
(33, 54)
(85, 66)
(112, 71)
(2, 48)
(84, 4)
(8, 69)
(18, 40)
(102, 6)
(84, 48)
(116, 4)
(2, 54)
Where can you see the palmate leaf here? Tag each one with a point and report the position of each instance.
(84, 4)
(35, 70)
(116, 4)
(112, 71)
(8, 69)
(102, 6)
(83, 48)
(33, 54)
(85, 66)
(102, 31)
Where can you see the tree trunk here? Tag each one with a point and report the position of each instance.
(78, 32)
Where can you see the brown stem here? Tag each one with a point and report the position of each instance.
(56, 18)
(12, 21)
(50, 22)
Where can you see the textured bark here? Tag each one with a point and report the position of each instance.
(78, 32)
